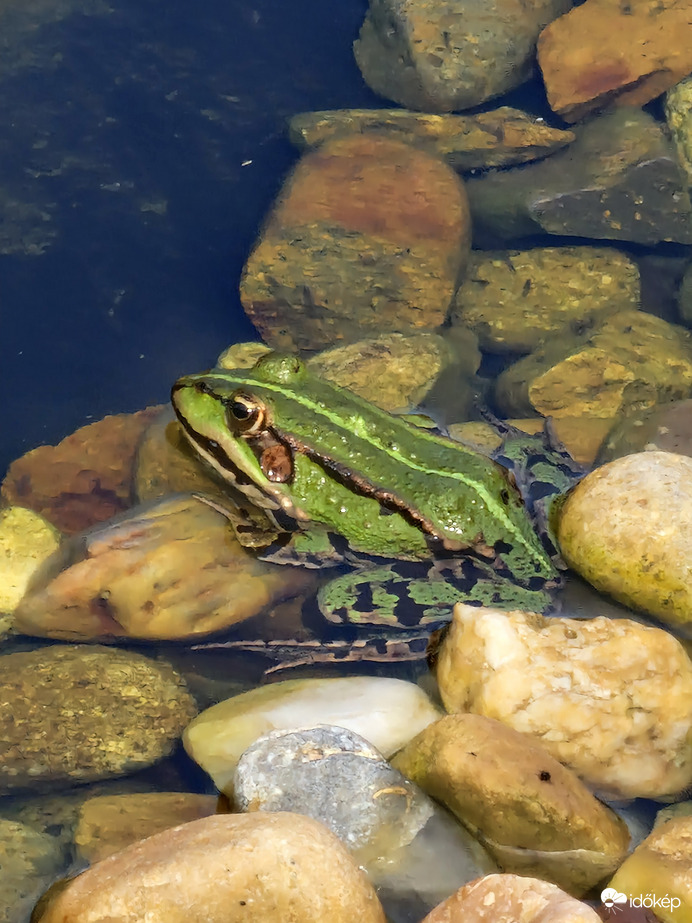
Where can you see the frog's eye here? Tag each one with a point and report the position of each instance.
(245, 415)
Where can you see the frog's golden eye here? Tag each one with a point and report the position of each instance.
(245, 415)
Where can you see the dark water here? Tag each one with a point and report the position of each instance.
(128, 212)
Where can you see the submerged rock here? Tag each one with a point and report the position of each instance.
(26, 540)
(450, 54)
(627, 529)
(170, 571)
(679, 118)
(368, 236)
(386, 712)
(109, 823)
(85, 479)
(533, 814)
(230, 868)
(630, 358)
(514, 299)
(605, 52)
(30, 862)
(467, 142)
(610, 698)
(74, 714)
(620, 180)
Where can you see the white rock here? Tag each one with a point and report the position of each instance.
(386, 712)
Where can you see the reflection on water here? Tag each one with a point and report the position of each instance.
(151, 219)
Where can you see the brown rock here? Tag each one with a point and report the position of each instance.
(612, 52)
(75, 714)
(442, 55)
(467, 142)
(368, 236)
(511, 899)
(169, 571)
(230, 868)
(109, 823)
(531, 813)
(85, 479)
(631, 358)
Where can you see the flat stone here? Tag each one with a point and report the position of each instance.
(610, 698)
(605, 52)
(225, 869)
(386, 712)
(73, 713)
(620, 180)
(514, 299)
(497, 138)
(631, 358)
(533, 814)
(450, 54)
(368, 236)
(627, 529)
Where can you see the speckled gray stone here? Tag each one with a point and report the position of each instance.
(405, 841)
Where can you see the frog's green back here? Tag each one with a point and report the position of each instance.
(388, 487)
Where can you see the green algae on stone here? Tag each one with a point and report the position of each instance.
(78, 713)
(467, 142)
(627, 529)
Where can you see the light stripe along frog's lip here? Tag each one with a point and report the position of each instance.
(371, 439)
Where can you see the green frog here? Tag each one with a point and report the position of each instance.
(422, 520)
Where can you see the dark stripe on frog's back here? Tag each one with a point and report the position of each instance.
(341, 437)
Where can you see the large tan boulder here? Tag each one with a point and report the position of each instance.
(231, 868)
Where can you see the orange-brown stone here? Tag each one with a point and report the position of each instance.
(86, 478)
(369, 236)
(622, 52)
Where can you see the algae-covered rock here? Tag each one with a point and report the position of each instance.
(679, 118)
(467, 142)
(514, 299)
(26, 540)
(627, 529)
(632, 357)
(78, 713)
(658, 874)
(532, 813)
(610, 698)
(396, 372)
(369, 235)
